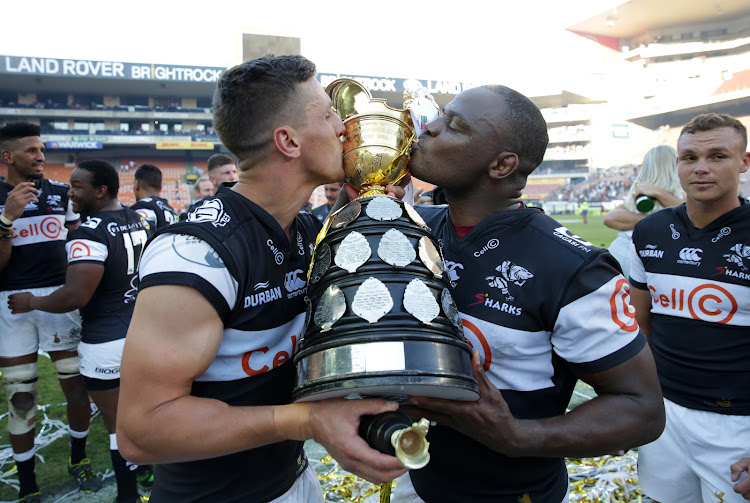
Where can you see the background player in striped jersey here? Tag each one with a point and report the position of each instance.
(690, 273)
(147, 187)
(102, 281)
(34, 223)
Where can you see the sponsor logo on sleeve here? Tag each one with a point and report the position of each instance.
(570, 238)
(623, 314)
(91, 223)
(79, 249)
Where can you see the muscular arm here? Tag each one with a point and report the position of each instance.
(641, 301)
(622, 219)
(172, 343)
(627, 412)
(81, 281)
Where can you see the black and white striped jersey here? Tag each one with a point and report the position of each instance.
(537, 302)
(238, 257)
(699, 281)
(115, 240)
(37, 258)
(156, 210)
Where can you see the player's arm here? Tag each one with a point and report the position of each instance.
(641, 301)
(174, 336)
(18, 198)
(81, 281)
(626, 412)
(666, 198)
(640, 296)
(622, 219)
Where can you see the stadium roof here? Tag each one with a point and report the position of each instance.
(635, 17)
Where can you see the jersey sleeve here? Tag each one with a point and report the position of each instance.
(596, 328)
(86, 250)
(180, 259)
(148, 214)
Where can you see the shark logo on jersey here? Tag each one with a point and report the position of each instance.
(451, 269)
(509, 273)
(740, 252)
(91, 223)
(54, 201)
(212, 211)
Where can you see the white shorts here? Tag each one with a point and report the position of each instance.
(101, 361)
(404, 491)
(690, 461)
(305, 489)
(27, 333)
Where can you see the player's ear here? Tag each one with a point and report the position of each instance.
(504, 165)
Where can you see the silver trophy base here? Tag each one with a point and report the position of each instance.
(394, 370)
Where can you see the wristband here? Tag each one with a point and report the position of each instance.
(5, 220)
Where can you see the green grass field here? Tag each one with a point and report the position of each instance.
(52, 474)
(594, 231)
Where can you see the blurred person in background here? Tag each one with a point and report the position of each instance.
(146, 188)
(332, 193)
(656, 180)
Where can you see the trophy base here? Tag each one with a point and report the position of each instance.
(393, 370)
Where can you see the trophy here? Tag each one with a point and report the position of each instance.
(380, 320)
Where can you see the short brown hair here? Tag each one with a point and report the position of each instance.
(255, 97)
(217, 161)
(711, 121)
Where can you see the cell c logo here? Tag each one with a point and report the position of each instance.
(79, 249)
(700, 303)
(623, 313)
(482, 341)
(51, 227)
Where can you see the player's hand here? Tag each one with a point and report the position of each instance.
(488, 420)
(18, 198)
(737, 469)
(20, 302)
(335, 425)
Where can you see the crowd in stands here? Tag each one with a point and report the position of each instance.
(50, 104)
(603, 186)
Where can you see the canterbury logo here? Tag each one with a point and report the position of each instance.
(691, 254)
